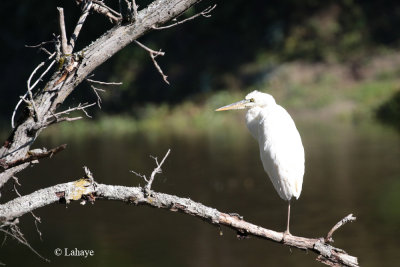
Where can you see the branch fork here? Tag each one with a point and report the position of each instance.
(153, 54)
(157, 169)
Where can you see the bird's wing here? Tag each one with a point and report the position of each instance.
(281, 152)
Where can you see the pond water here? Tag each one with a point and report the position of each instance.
(349, 169)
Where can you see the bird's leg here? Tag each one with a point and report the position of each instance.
(288, 220)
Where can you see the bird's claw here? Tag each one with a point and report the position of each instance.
(285, 235)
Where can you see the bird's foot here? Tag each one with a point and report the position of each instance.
(285, 235)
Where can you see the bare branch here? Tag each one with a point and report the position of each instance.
(95, 89)
(151, 51)
(17, 234)
(78, 27)
(69, 110)
(35, 155)
(64, 44)
(101, 8)
(134, 10)
(63, 82)
(30, 88)
(103, 83)
(40, 46)
(205, 13)
(153, 55)
(140, 175)
(155, 171)
(87, 189)
(348, 218)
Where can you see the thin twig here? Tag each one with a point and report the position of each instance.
(17, 234)
(153, 55)
(101, 3)
(79, 25)
(151, 51)
(40, 46)
(79, 107)
(95, 89)
(64, 44)
(348, 218)
(140, 175)
(205, 13)
(103, 83)
(44, 73)
(101, 8)
(155, 171)
(30, 87)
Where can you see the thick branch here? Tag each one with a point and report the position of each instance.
(88, 190)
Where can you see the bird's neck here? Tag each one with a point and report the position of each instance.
(252, 120)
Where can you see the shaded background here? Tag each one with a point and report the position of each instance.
(333, 64)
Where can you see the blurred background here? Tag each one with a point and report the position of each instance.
(334, 65)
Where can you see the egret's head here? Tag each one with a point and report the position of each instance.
(254, 99)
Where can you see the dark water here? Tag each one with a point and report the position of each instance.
(349, 169)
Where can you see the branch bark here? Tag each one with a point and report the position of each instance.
(88, 190)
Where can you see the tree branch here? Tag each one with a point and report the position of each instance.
(87, 190)
(101, 8)
(34, 155)
(153, 54)
(85, 12)
(205, 13)
(75, 69)
(348, 218)
(61, 24)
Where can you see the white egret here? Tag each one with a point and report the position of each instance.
(281, 150)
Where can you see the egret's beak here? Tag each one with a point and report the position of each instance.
(236, 105)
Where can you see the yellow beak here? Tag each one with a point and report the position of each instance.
(236, 105)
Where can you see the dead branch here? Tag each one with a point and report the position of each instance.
(205, 13)
(78, 27)
(34, 155)
(61, 24)
(134, 10)
(77, 67)
(41, 47)
(153, 54)
(103, 83)
(348, 218)
(31, 87)
(80, 106)
(95, 90)
(17, 234)
(101, 8)
(86, 189)
(155, 171)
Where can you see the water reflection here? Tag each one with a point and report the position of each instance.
(348, 170)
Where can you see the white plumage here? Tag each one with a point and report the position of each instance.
(281, 149)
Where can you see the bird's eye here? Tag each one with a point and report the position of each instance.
(251, 99)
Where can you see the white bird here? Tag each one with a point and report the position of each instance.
(281, 149)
